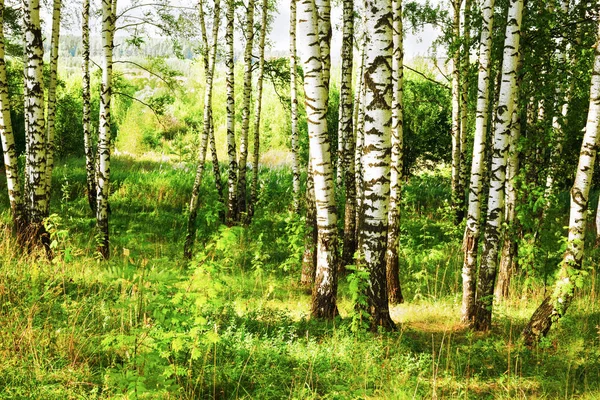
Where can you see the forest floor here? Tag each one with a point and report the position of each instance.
(233, 322)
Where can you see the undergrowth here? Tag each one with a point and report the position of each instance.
(234, 322)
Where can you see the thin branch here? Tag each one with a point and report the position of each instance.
(426, 77)
(143, 103)
(169, 84)
(154, 5)
(142, 22)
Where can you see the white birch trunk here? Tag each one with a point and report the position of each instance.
(207, 46)
(561, 108)
(376, 157)
(359, 127)
(456, 119)
(346, 133)
(555, 306)
(294, 108)
(90, 163)
(51, 114)
(258, 109)
(393, 235)
(243, 162)
(206, 127)
(104, 139)
(464, 99)
(502, 122)
(232, 214)
(345, 100)
(11, 167)
(325, 287)
(473, 227)
(35, 182)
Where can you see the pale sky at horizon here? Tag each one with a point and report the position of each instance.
(414, 45)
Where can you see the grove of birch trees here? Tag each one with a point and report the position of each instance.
(503, 113)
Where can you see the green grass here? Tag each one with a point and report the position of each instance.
(234, 322)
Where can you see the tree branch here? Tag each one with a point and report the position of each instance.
(426, 77)
(143, 103)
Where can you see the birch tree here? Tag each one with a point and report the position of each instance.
(51, 112)
(472, 228)
(324, 28)
(11, 167)
(90, 158)
(393, 234)
(294, 108)
(346, 134)
(211, 130)
(103, 172)
(502, 122)
(464, 100)
(509, 247)
(231, 145)
(206, 126)
(247, 94)
(35, 182)
(457, 195)
(555, 305)
(561, 108)
(258, 104)
(376, 157)
(325, 286)
(359, 128)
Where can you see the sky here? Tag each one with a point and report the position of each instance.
(414, 46)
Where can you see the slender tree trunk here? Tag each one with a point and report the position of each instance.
(510, 242)
(393, 234)
(323, 8)
(51, 115)
(294, 108)
(597, 221)
(555, 306)
(215, 163)
(349, 141)
(360, 136)
(346, 135)
(325, 287)
(195, 199)
(211, 132)
(90, 163)
(232, 214)
(257, 111)
(108, 29)
(464, 100)
(560, 110)
(243, 163)
(35, 182)
(502, 122)
(376, 157)
(457, 204)
(473, 226)
(309, 257)
(7, 138)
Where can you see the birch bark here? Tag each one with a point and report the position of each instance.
(11, 167)
(502, 122)
(376, 158)
(51, 101)
(195, 199)
(242, 165)
(104, 139)
(555, 306)
(473, 227)
(325, 286)
(393, 234)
